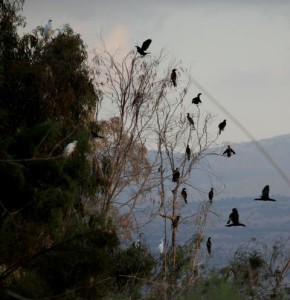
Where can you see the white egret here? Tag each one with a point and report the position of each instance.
(70, 148)
(161, 246)
(47, 32)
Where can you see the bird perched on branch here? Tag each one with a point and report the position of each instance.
(210, 195)
(175, 221)
(161, 246)
(188, 152)
(190, 120)
(208, 245)
(184, 195)
(141, 50)
(70, 148)
(96, 135)
(175, 175)
(47, 32)
(234, 218)
(229, 151)
(173, 77)
(265, 194)
(196, 100)
(222, 126)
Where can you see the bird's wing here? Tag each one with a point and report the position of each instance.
(146, 44)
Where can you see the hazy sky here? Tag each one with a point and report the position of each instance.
(238, 50)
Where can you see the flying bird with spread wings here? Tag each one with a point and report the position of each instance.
(141, 50)
(234, 218)
(229, 151)
(265, 194)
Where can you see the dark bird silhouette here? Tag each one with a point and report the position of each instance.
(196, 100)
(188, 152)
(173, 77)
(208, 245)
(265, 194)
(234, 218)
(210, 195)
(175, 221)
(184, 195)
(96, 136)
(141, 50)
(222, 126)
(175, 175)
(229, 151)
(190, 120)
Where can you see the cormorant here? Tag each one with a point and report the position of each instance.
(184, 195)
(173, 77)
(208, 245)
(210, 195)
(188, 152)
(190, 120)
(222, 126)
(175, 221)
(175, 175)
(265, 194)
(229, 151)
(234, 218)
(196, 100)
(145, 46)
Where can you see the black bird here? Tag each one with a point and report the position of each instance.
(265, 194)
(190, 120)
(196, 100)
(96, 136)
(175, 175)
(210, 195)
(188, 152)
(145, 46)
(208, 245)
(175, 221)
(173, 77)
(222, 126)
(229, 151)
(234, 218)
(184, 195)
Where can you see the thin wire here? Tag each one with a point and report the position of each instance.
(245, 130)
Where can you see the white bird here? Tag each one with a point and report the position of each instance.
(161, 247)
(70, 148)
(47, 32)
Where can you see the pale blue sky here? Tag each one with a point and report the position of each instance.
(239, 51)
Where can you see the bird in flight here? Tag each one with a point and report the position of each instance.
(188, 152)
(229, 151)
(184, 195)
(196, 100)
(141, 50)
(175, 175)
(190, 120)
(173, 77)
(234, 218)
(210, 195)
(222, 126)
(265, 194)
(208, 245)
